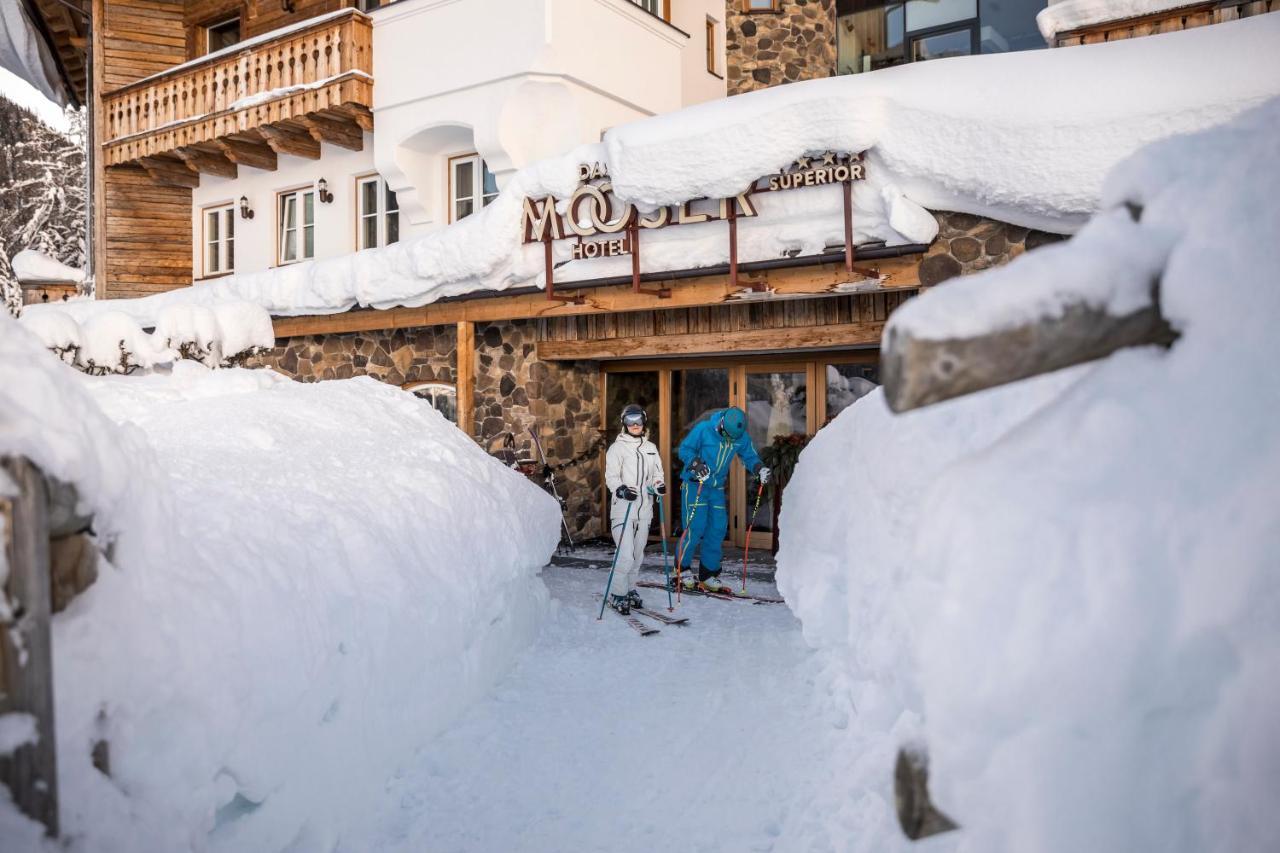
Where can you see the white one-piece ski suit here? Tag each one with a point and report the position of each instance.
(633, 461)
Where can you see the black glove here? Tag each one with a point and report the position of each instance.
(660, 489)
(627, 493)
(699, 470)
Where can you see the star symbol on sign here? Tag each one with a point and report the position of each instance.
(829, 159)
(802, 162)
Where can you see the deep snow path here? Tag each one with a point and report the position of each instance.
(600, 739)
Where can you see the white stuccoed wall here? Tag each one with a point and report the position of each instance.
(515, 82)
(256, 238)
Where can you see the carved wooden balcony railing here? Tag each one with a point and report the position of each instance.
(280, 93)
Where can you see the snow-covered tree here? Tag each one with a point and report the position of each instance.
(42, 192)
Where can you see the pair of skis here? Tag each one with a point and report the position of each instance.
(645, 630)
(727, 595)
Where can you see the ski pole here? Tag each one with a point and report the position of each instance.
(609, 583)
(746, 547)
(552, 480)
(666, 563)
(683, 544)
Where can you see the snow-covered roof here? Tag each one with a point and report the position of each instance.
(1022, 137)
(1064, 15)
(33, 267)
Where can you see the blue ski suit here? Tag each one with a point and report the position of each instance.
(706, 519)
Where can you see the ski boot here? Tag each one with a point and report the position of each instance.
(620, 604)
(712, 583)
(633, 600)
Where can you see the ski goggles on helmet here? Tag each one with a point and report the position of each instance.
(633, 418)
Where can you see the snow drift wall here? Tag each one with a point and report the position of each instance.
(1066, 586)
(307, 582)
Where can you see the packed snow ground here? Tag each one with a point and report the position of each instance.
(704, 737)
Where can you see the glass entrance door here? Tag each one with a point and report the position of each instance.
(778, 404)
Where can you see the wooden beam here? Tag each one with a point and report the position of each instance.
(466, 386)
(341, 132)
(843, 335)
(285, 141)
(245, 153)
(359, 113)
(796, 282)
(214, 163)
(170, 172)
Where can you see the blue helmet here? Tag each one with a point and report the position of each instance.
(733, 423)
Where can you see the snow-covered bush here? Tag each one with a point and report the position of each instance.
(282, 622)
(113, 342)
(244, 330)
(57, 331)
(192, 330)
(1067, 586)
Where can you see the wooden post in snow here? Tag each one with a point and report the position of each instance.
(919, 371)
(26, 653)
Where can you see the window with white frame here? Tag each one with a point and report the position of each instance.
(442, 396)
(379, 213)
(296, 214)
(219, 240)
(471, 186)
(653, 7)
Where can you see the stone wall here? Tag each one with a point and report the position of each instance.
(395, 356)
(968, 244)
(796, 42)
(561, 400)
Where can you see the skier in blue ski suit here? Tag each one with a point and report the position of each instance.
(707, 452)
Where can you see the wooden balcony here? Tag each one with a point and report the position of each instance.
(280, 93)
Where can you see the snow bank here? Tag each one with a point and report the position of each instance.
(32, 266)
(1063, 15)
(282, 624)
(113, 342)
(1070, 581)
(56, 330)
(1021, 137)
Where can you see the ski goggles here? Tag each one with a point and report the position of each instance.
(633, 419)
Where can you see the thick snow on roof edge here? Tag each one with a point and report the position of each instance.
(31, 266)
(1024, 137)
(1065, 15)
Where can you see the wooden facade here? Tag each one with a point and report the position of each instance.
(1183, 18)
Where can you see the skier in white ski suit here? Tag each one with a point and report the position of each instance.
(633, 473)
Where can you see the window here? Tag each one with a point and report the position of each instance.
(369, 5)
(219, 240)
(762, 5)
(297, 216)
(471, 186)
(379, 214)
(222, 34)
(876, 34)
(711, 45)
(653, 7)
(443, 398)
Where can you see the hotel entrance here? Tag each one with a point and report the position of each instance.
(783, 397)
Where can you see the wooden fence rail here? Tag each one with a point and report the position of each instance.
(26, 652)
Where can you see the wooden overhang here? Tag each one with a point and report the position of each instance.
(64, 25)
(279, 93)
(767, 282)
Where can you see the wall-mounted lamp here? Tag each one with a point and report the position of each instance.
(246, 212)
(325, 196)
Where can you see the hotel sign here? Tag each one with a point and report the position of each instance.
(594, 211)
